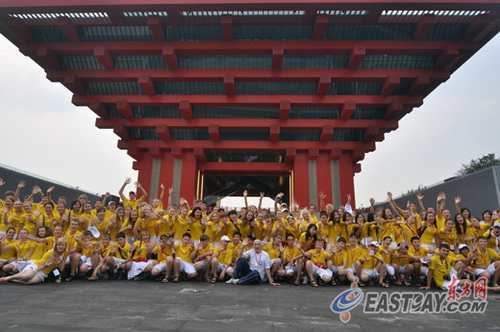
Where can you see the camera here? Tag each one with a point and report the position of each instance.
(447, 277)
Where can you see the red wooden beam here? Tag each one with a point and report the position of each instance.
(177, 152)
(370, 133)
(99, 109)
(156, 27)
(320, 23)
(133, 152)
(74, 85)
(390, 84)
(115, 16)
(290, 154)
(373, 15)
(155, 152)
(19, 30)
(446, 56)
(226, 22)
(164, 132)
(358, 53)
(324, 84)
(136, 166)
(478, 24)
(68, 28)
(312, 153)
(326, 133)
(199, 154)
(170, 57)
(419, 84)
(146, 83)
(247, 145)
(186, 109)
(285, 108)
(335, 153)
(125, 109)
(274, 134)
(277, 61)
(255, 166)
(348, 110)
(249, 123)
(358, 154)
(122, 132)
(229, 86)
(424, 25)
(46, 58)
(250, 100)
(393, 109)
(104, 57)
(213, 131)
(357, 168)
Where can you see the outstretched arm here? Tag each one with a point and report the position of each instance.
(144, 192)
(20, 185)
(162, 193)
(260, 201)
(393, 205)
(420, 198)
(120, 192)
(457, 204)
(245, 194)
(276, 201)
(441, 199)
(321, 196)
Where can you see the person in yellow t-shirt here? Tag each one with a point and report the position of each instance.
(235, 246)
(448, 235)
(114, 223)
(74, 238)
(90, 253)
(183, 261)
(140, 254)
(180, 225)
(221, 263)
(8, 248)
(132, 199)
(338, 261)
(289, 256)
(419, 257)
(166, 223)
(373, 266)
(164, 258)
(493, 237)
(440, 269)
(401, 262)
(24, 250)
(213, 227)
(274, 250)
(428, 231)
(202, 256)
(385, 250)
(103, 251)
(37, 271)
(316, 266)
(487, 263)
(354, 253)
(117, 256)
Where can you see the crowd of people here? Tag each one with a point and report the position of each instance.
(47, 239)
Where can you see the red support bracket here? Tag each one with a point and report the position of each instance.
(156, 27)
(74, 85)
(213, 131)
(357, 55)
(99, 109)
(335, 154)
(68, 28)
(229, 85)
(445, 57)
(348, 109)
(358, 155)
(135, 165)
(285, 108)
(320, 23)
(226, 22)
(313, 153)
(278, 53)
(186, 110)
(170, 57)
(356, 168)
(125, 109)
(290, 154)
(324, 84)
(199, 154)
(419, 84)
(274, 133)
(177, 152)
(155, 152)
(46, 57)
(122, 132)
(147, 85)
(133, 152)
(390, 84)
(424, 25)
(326, 133)
(370, 133)
(104, 57)
(164, 132)
(393, 110)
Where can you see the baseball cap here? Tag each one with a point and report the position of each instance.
(497, 224)
(94, 231)
(225, 238)
(374, 243)
(461, 246)
(111, 202)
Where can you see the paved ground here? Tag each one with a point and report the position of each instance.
(196, 306)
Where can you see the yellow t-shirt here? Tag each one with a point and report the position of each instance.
(370, 262)
(306, 244)
(130, 202)
(49, 268)
(272, 250)
(235, 249)
(318, 258)
(211, 231)
(88, 248)
(485, 258)
(401, 260)
(22, 248)
(339, 257)
(165, 225)
(121, 252)
(224, 256)
(493, 243)
(289, 253)
(180, 227)
(184, 252)
(141, 250)
(163, 253)
(40, 250)
(441, 267)
(353, 255)
(29, 221)
(385, 256)
(105, 250)
(8, 253)
(195, 229)
(428, 235)
(203, 251)
(72, 243)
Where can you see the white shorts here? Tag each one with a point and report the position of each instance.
(220, 267)
(402, 269)
(186, 267)
(424, 270)
(371, 273)
(490, 269)
(317, 271)
(390, 269)
(137, 268)
(21, 265)
(350, 269)
(291, 269)
(117, 261)
(447, 283)
(162, 267)
(84, 260)
(153, 239)
(203, 263)
(429, 246)
(33, 267)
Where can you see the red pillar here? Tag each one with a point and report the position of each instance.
(145, 162)
(346, 171)
(188, 179)
(301, 181)
(324, 175)
(166, 174)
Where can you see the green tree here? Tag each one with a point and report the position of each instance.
(478, 164)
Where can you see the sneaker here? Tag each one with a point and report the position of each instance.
(235, 281)
(305, 281)
(70, 277)
(230, 281)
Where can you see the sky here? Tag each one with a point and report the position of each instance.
(42, 132)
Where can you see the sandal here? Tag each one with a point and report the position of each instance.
(164, 280)
(213, 280)
(333, 283)
(93, 278)
(175, 280)
(297, 282)
(361, 284)
(314, 283)
(383, 285)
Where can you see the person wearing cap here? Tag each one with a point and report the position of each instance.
(111, 210)
(467, 256)
(132, 199)
(487, 263)
(221, 263)
(73, 237)
(493, 236)
(274, 249)
(90, 253)
(373, 266)
(419, 255)
(316, 265)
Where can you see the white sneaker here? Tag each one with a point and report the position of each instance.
(305, 281)
(230, 281)
(235, 281)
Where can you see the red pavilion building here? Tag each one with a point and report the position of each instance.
(210, 97)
